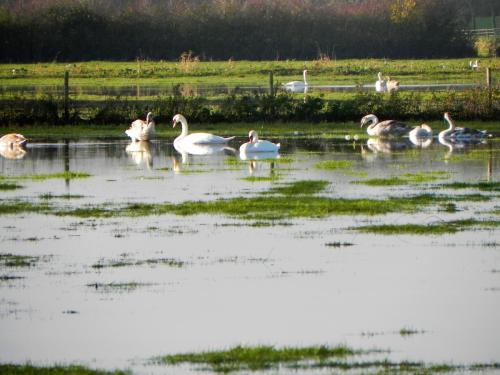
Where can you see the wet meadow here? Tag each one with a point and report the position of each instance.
(339, 254)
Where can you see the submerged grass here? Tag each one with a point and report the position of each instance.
(171, 262)
(405, 179)
(428, 229)
(334, 164)
(4, 186)
(11, 260)
(67, 175)
(482, 185)
(12, 369)
(257, 358)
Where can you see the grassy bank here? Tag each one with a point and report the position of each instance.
(33, 94)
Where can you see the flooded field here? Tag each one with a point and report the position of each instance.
(114, 254)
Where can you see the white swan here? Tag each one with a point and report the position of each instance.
(297, 85)
(195, 138)
(258, 145)
(392, 84)
(380, 85)
(141, 130)
(12, 140)
(473, 65)
(461, 134)
(386, 128)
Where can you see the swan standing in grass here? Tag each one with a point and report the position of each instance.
(388, 128)
(195, 138)
(473, 65)
(255, 144)
(12, 140)
(392, 84)
(141, 130)
(297, 85)
(380, 85)
(461, 134)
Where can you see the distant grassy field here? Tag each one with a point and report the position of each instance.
(321, 72)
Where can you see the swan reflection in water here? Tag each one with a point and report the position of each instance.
(140, 152)
(260, 160)
(186, 149)
(13, 152)
(387, 146)
(458, 145)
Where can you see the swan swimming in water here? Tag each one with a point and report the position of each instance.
(297, 85)
(194, 138)
(380, 85)
(461, 134)
(386, 128)
(12, 140)
(258, 145)
(141, 130)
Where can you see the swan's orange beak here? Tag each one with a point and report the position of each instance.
(174, 123)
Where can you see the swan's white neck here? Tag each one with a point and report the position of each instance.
(305, 77)
(373, 120)
(184, 125)
(450, 129)
(379, 76)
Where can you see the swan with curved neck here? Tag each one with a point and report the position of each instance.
(297, 84)
(388, 128)
(195, 138)
(392, 84)
(12, 140)
(461, 134)
(255, 144)
(141, 130)
(380, 85)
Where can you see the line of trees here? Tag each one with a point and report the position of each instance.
(78, 30)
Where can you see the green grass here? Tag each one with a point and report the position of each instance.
(242, 358)
(261, 358)
(440, 228)
(334, 164)
(67, 175)
(405, 179)
(483, 185)
(261, 178)
(11, 260)
(4, 186)
(12, 369)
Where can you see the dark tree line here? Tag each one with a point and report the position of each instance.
(71, 30)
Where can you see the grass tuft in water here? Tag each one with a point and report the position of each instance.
(303, 187)
(67, 175)
(171, 262)
(117, 287)
(261, 179)
(483, 185)
(338, 244)
(11, 260)
(257, 358)
(5, 186)
(48, 196)
(427, 229)
(11, 369)
(333, 164)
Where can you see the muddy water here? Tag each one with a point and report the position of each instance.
(238, 284)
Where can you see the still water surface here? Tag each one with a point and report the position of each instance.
(238, 284)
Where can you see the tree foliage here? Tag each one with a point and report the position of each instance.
(69, 30)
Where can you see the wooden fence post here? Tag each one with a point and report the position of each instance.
(66, 96)
(271, 83)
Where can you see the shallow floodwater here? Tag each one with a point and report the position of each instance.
(233, 283)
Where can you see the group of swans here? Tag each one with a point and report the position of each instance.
(197, 143)
(394, 128)
(386, 85)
